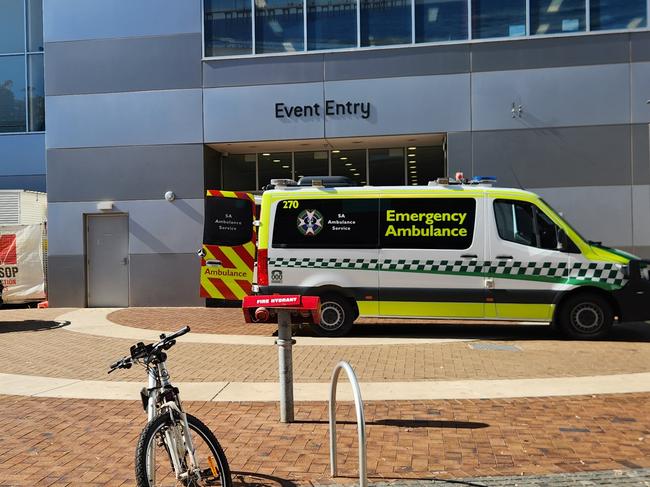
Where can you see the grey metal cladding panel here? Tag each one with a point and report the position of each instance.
(413, 61)
(68, 20)
(555, 157)
(135, 118)
(131, 64)
(125, 173)
(555, 52)
(641, 215)
(641, 153)
(418, 104)
(33, 182)
(155, 226)
(600, 213)
(248, 113)
(66, 281)
(459, 153)
(263, 71)
(22, 154)
(640, 46)
(640, 92)
(165, 280)
(554, 97)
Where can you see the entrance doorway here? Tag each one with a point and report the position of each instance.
(107, 260)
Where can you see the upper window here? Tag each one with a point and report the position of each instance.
(326, 224)
(440, 20)
(331, 25)
(427, 223)
(617, 14)
(498, 18)
(279, 26)
(556, 16)
(525, 224)
(22, 93)
(384, 23)
(228, 27)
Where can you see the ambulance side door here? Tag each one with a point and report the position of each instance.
(228, 253)
(526, 267)
(432, 267)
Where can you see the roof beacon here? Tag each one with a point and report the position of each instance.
(283, 183)
(485, 180)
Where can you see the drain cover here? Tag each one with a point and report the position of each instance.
(494, 346)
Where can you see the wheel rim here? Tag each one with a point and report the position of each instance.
(332, 316)
(159, 461)
(587, 317)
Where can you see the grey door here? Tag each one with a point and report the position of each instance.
(107, 260)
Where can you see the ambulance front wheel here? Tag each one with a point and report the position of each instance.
(336, 316)
(586, 316)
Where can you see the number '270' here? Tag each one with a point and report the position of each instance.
(290, 204)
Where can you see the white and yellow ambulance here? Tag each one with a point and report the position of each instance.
(452, 249)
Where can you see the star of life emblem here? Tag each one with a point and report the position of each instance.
(310, 222)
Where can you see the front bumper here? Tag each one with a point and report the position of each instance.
(634, 298)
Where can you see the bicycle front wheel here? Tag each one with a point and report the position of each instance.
(154, 458)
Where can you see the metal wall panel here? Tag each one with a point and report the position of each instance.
(66, 281)
(22, 154)
(248, 113)
(155, 226)
(165, 280)
(641, 154)
(99, 173)
(130, 64)
(641, 215)
(550, 52)
(601, 213)
(460, 153)
(68, 20)
(420, 104)
(640, 46)
(413, 61)
(137, 118)
(263, 71)
(588, 95)
(640, 73)
(543, 158)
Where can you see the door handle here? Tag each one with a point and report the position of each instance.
(213, 263)
(125, 261)
(469, 256)
(504, 257)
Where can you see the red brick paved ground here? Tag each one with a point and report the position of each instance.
(91, 443)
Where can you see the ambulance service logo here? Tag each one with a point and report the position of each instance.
(310, 222)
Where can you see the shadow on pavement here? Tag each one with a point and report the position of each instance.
(249, 479)
(627, 332)
(30, 325)
(407, 423)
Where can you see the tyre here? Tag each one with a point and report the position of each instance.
(586, 316)
(153, 464)
(336, 316)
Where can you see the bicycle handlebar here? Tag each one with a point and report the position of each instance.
(142, 351)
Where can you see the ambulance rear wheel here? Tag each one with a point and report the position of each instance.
(336, 316)
(586, 316)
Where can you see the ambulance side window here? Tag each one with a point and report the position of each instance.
(525, 224)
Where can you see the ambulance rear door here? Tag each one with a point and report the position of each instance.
(228, 253)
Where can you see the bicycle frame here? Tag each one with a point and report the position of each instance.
(159, 381)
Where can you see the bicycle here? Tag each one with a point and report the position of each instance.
(168, 454)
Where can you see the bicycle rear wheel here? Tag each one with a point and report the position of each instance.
(153, 461)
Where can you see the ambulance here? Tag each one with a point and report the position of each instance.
(454, 249)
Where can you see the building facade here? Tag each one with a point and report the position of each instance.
(149, 97)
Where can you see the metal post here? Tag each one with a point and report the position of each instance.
(285, 344)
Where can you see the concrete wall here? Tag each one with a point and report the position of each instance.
(130, 105)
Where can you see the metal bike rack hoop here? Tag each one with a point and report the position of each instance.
(361, 421)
